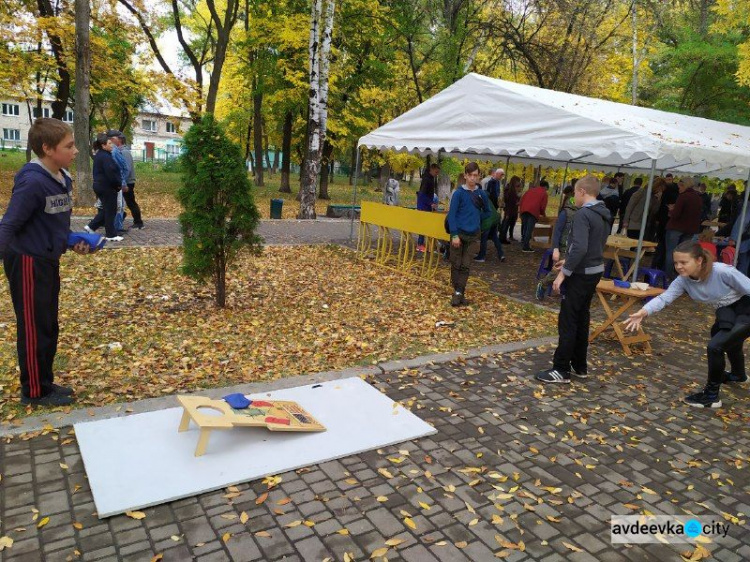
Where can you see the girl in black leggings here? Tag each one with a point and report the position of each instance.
(728, 291)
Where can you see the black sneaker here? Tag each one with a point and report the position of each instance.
(138, 226)
(502, 259)
(731, 377)
(579, 374)
(527, 250)
(503, 241)
(479, 260)
(457, 299)
(64, 390)
(52, 399)
(553, 375)
(706, 398)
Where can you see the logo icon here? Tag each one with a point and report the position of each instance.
(693, 528)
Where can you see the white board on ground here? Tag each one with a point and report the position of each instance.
(141, 460)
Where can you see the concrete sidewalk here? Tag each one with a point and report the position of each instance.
(166, 232)
(516, 469)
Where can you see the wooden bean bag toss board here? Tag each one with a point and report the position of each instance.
(275, 415)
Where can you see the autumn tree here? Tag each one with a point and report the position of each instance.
(211, 24)
(219, 217)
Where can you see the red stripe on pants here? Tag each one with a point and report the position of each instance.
(27, 267)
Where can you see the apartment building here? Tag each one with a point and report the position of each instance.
(157, 134)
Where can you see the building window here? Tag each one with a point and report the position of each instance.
(171, 127)
(12, 134)
(43, 113)
(149, 125)
(11, 109)
(68, 117)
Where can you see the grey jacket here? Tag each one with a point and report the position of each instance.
(587, 240)
(125, 151)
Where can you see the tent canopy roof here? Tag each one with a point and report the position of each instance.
(481, 116)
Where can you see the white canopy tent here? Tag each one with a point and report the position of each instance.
(486, 117)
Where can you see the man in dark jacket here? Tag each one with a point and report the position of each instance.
(580, 271)
(684, 220)
(625, 199)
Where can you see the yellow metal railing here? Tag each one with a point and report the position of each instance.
(388, 221)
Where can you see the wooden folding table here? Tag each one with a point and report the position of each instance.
(620, 246)
(606, 290)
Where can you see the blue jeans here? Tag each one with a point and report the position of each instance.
(490, 234)
(672, 239)
(528, 222)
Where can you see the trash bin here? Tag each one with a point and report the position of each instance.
(276, 205)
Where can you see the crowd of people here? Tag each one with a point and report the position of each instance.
(675, 218)
(113, 173)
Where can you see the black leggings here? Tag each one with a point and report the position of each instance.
(727, 342)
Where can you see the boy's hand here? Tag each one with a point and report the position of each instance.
(82, 248)
(125, 188)
(558, 282)
(456, 242)
(556, 255)
(558, 265)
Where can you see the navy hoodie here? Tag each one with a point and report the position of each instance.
(37, 221)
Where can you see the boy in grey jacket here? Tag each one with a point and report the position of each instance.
(581, 271)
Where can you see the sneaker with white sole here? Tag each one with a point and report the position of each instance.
(553, 375)
(579, 374)
(706, 398)
(115, 239)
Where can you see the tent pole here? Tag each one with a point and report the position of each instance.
(644, 220)
(354, 197)
(742, 222)
(562, 187)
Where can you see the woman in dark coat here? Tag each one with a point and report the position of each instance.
(107, 182)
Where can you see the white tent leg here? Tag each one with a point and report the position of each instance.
(644, 219)
(354, 196)
(742, 221)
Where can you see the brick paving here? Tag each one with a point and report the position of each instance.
(512, 461)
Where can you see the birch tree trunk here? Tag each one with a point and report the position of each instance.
(312, 154)
(84, 194)
(318, 103)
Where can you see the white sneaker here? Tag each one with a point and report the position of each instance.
(87, 229)
(115, 239)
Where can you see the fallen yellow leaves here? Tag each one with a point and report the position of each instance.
(5, 542)
(174, 340)
(135, 514)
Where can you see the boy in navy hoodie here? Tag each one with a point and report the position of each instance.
(33, 235)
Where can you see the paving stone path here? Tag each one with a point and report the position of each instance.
(516, 471)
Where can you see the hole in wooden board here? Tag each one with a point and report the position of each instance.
(210, 411)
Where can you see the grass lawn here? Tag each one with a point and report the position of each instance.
(132, 327)
(156, 190)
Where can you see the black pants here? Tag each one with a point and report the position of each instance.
(573, 323)
(106, 214)
(34, 290)
(727, 342)
(508, 226)
(634, 233)
(132, 204)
